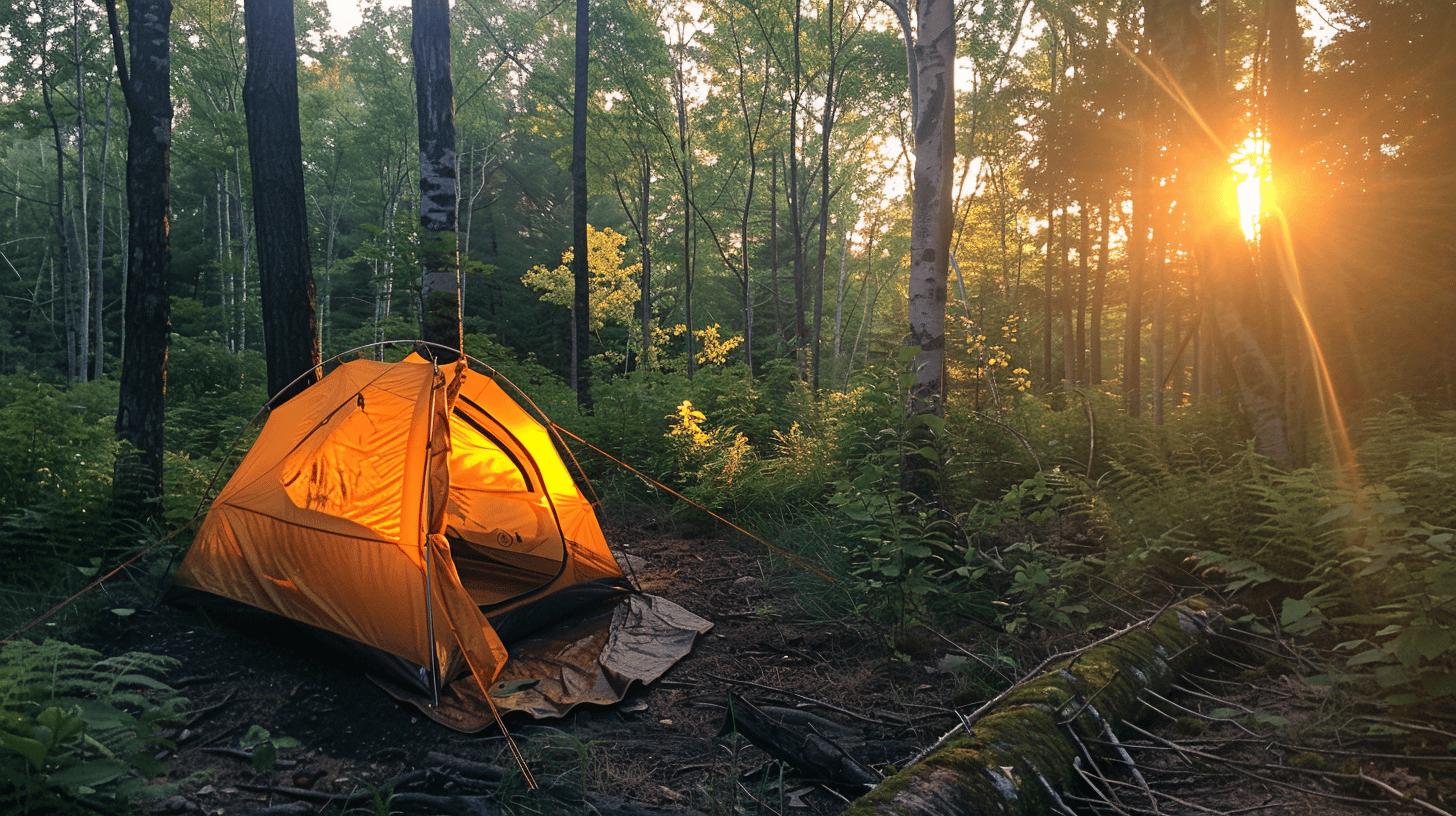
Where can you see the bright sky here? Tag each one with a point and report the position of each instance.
(344, 14)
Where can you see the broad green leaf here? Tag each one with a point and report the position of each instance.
(91, 774)
(1295, 610)
(34, 751)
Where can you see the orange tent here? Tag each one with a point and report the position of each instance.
(403, 506)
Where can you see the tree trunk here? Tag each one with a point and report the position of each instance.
(64, 225)
(1282, 130)
(1069, 328)
(1084, 249)
(839, 294)
(280, 215)
(686, 173)
(138, 482)
(1132, 351)
(1049, 271)
(100, 279)
(644, 239)
(244, 257)
(1160, 273)
(1099, 297)
(1180, 48)
(440, 315)
(826, 131)
(801, 328)
(83, 217)
(773, 249)
(580, 271)
(930, 228)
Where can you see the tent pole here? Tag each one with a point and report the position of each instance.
(429, 555)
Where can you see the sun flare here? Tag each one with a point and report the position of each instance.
(1250, 165)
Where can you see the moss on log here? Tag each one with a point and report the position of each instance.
(1012, 758)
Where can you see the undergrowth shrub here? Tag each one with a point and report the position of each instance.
(78, 731)
(56, 451)
(1361, 560)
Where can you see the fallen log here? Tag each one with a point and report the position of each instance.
(1015, 753)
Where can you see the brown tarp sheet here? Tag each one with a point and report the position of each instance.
(594, 658)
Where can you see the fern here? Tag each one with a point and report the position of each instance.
(79, 731)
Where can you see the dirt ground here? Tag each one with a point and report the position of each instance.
(659, 746)
(662, 746)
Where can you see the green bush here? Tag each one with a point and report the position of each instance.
(56, 451)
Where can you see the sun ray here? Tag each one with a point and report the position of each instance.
(1249, 162)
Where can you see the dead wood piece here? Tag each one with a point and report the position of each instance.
(997, 761)
(467, 767)
(437, 805)
(339, 799)
(800, 739)
(285, 809)
(208, 710)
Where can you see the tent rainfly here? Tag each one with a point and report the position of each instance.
(421, 512)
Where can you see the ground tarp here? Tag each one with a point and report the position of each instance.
(593, 659)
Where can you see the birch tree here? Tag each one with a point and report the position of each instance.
(440, 313)
(930, 218)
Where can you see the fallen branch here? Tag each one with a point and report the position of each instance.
(806, 744)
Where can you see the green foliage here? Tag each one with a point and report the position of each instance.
(56, 451)
(1361, 560)
(902, 551)
(78, 731)
(265, 747)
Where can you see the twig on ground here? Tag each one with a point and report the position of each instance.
(1132, 767)
(895, 723)
(1195, 713)
(968, 653)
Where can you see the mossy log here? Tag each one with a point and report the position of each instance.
(1020, 752)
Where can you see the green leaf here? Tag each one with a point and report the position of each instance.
(123, 612)
(264, 756)
(92, 774)
(255, 735)
(34, 751)
(1295, 610)
(1367, 657)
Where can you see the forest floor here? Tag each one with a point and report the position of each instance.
(662, 745)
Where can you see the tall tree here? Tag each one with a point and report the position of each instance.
(930, 218)
(1277, 233)
(1137, 246)
(1183, 58)
(280, 214)
(793, 191)
(581, 280)
(142, 402)
(440, 314)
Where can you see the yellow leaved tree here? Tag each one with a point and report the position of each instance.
(612, 283)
